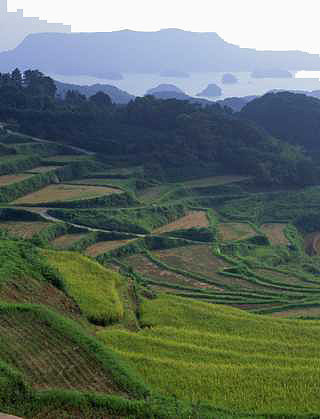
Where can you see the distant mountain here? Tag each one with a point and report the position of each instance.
(236, 103)
(179, 96)
(99, 54)
(212, 90)
(116, 95)
(164, 88)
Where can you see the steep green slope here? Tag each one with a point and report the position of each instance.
(235, 360)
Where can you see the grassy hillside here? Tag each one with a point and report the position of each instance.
(235, 360)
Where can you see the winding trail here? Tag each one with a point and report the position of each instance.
(43, 212)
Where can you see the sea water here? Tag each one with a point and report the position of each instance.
(138, 84)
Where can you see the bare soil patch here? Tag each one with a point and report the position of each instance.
(48, 358)
(149, 269)
(191, 220)
(106, 246)
(31, 291)
(235, 231)
(9, 179)
(64, 242)
(24, 229)
(63, 192)
(197, 258)
(275, 233)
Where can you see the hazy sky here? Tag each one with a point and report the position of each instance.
(261, 24)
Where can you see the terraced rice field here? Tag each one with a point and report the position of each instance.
(35, 348)
(214, 181)
(298, 312)
(67, 158)
(9, 179)
(151, 270)
(235, 231)
(233, 359)
(32, 291)
(24, 229)
(286, 278)
(65, 241)
(93, 287)
(191, 220)
(108, 182)
(275, 233)
(154, 193)
(43, 169)
(197, 258)
(105, 246)
(63, 192)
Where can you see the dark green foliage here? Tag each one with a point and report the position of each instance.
(177, 139)
(9, 139)
(194, 234)
(273, 111)
(16, 190)
(309, 223)
(14, 214)
(18, 164)
(19, 259)
(53, 231)
(132, 220)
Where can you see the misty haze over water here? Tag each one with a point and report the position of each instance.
(138, 84)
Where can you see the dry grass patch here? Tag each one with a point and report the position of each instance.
(105, 246)
(64, 242)
(236, 231)
(149, 269)
(9, 179)
(63, 192)
(24, 229)
(191, 220)
(275, 233)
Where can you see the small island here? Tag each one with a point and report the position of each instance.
(212, 90)
(229, 78)
(274, 73)
(164, 88)
(175, 74)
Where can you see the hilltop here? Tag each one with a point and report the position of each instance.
(126, 51)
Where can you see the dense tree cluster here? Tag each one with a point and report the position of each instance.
(293, 117)
(162, 134)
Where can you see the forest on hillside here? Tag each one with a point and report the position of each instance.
(162, 134)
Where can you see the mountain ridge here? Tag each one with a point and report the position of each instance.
(129, 51)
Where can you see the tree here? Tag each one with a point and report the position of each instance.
(101, 99)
